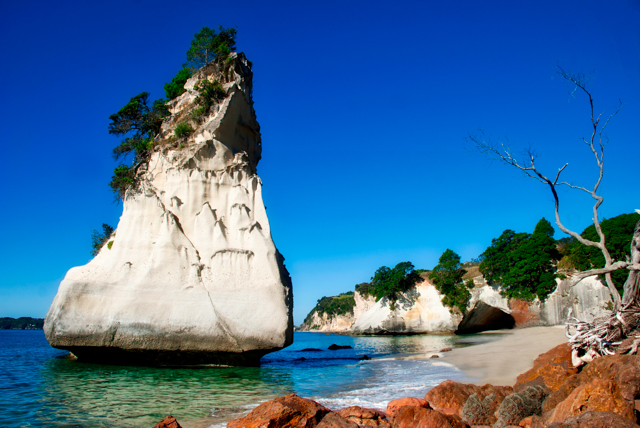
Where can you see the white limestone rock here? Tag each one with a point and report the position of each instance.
(325, 323)
(419, 310)
(191, 274)
(588, 299)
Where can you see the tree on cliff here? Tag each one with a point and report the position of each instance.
(602, 336)
(139, 123)
(207, 46)
(98, 239)
(390, 283)
(522, 264)
(618, 232)
(447, 277)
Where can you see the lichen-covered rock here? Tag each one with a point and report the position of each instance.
(394, 405)
(191, 274)
(449, 397)
(364, 416)
(479, 412)
(420, 417)
(519, 405)
(549, 369)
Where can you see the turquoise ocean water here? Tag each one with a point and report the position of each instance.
(39, 387)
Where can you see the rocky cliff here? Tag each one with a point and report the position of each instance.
(420, 310)
(191, 274)
(337, 321)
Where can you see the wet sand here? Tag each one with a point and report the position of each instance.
(499, 362)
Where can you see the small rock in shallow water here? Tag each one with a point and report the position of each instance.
(365, 357)
(335, 347)
(435, 356)
(168, 422)
(310, 350)
(445, 350)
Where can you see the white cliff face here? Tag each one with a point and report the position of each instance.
(489, 295)
(325, 323)
(588, 299)
(363, 304)
(191, 274)
(338, 323)
(420, 310)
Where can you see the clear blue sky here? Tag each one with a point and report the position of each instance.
(364, 108)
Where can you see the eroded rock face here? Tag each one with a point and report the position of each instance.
(191, 274)
(419, 310)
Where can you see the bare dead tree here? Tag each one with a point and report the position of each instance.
(600, 337)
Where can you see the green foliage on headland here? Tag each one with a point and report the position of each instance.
(522, 264)
(618, 232)
(447, 278)
(341, 304)
(389, 283)
(22, 323)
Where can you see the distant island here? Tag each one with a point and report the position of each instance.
(22, 323)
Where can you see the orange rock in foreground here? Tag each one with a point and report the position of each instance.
(364, 416)
(549, 369)
(289, 410)
(598, 395)
(168, 422)
(449, 397)
(419, 417)
(394, 405)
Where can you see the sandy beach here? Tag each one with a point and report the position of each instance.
(501, 361)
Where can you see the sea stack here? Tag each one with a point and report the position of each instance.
(191, 275)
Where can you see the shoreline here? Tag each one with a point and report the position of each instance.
(499, 362)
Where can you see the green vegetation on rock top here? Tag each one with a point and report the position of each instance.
(447, 278)
(521, 263)
(390, 283)
(140, 121)
(618, 232)
(341, 304)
